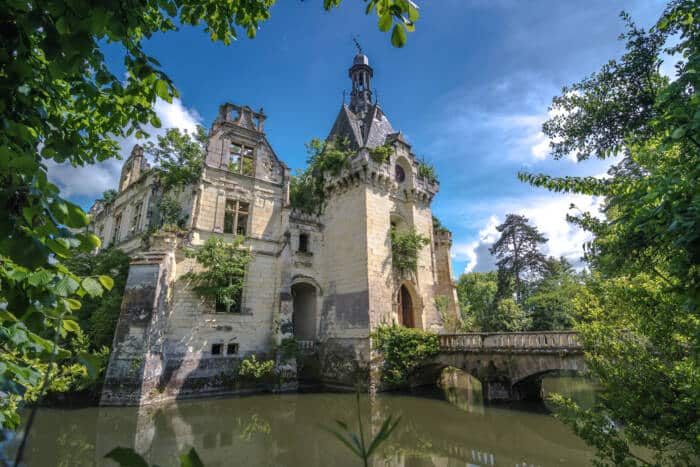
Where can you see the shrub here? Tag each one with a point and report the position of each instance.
(252, 368)
(381, 154)
(289, 348)
(403, 350)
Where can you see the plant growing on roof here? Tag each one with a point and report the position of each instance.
(381, 154)
(325, 158)
(427, 171)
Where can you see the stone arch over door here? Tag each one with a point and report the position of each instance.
(408, 306)
(305, 295)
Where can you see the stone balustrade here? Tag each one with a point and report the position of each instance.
(521, 341)
(306, 345)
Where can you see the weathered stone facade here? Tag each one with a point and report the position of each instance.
(325, 279)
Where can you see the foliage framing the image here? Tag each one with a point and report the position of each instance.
(405, 246)
(403, 349)
(224, 269)
(641, 325)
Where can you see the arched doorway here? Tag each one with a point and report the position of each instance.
(304, 311)
(405, 308)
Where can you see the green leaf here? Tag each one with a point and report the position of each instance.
(106, 281)
(385, 22)
(398, 36)
(92, 287)
(7, 316)
(678, 133)
(39, 278)
(191, 459)
(73, 304)
(76, 216)
(162, 90)
(66, 286)
(71, 326)
(126, 457)
(92, 362)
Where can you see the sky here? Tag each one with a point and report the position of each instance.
(469, 91)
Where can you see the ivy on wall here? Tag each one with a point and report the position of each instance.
(405, 246)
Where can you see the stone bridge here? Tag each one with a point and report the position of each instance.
(508, 365)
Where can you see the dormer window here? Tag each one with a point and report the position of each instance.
(399, 173)
(241, 160)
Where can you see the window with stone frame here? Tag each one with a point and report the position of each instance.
(241, 160)
(117, 228)
(303, 243)
(136, 217)
(236, 217)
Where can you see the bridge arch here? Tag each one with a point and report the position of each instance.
(510, 366)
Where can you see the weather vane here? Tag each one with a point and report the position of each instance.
(357, 44)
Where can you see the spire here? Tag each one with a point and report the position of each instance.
(360, 74)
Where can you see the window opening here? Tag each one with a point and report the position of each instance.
(117, 227)
(399, 174)
(236, 217)
(241, 160)
(232, 348)
(136, 218)
(303, 243)
(216, 349)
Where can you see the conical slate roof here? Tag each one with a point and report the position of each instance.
(370, 130)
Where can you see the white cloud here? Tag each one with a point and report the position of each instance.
(548, 214)
(92, 180)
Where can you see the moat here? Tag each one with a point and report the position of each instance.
(286, 430)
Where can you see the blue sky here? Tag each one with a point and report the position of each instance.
(469, 90)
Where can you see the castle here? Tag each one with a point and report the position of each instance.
(325, 279)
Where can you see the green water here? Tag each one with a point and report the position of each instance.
(284, 430)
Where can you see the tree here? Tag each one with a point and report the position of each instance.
(61, 102)
(180, 157)
(519, 257)
(224, 271)
(641, 321)
(98, 316)
(505, 315)
(476, 292)
(550, 303)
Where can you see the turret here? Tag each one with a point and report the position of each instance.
(132, 168)
(361, 75)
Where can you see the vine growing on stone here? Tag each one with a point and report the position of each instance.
(405, 246)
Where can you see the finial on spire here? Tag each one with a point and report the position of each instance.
(357, 44)
(343, 96)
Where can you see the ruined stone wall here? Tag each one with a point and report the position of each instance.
(445, 285)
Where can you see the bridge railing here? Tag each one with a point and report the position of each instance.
(547, 340)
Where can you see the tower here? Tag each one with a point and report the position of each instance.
(361, 76)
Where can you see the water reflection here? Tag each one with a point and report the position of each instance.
(284, 430)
